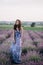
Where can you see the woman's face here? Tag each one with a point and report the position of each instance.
(17, 22)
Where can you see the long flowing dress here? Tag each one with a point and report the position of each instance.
(15, 48)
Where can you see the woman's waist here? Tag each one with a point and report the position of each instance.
(18, 38)
(18, 41)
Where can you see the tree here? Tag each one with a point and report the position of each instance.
(33, 24)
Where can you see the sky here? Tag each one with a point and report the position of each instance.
(25, 10)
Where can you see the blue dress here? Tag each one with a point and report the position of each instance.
(15, 49)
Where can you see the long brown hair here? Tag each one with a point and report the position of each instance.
(19, 25)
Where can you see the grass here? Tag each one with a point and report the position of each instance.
(25, 28)
(24, 50)
(2, 27)
(32, 48)
(35, 58)
(34, 28)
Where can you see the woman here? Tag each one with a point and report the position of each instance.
(16, 49)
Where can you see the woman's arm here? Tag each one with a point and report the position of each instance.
(14, 35)
(22, 34)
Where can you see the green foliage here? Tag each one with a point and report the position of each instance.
(33, 24)
(4, 58)
(41, 50)
(1, 41)
(8, 35)
(6, 27)
(24, 50)
(35, 58)
(32, 48)
(35, 43)
(33, 28)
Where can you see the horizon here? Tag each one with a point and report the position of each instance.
(21, 21)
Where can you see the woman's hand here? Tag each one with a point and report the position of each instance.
(22, 35)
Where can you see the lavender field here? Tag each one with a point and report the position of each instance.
(32, 48)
